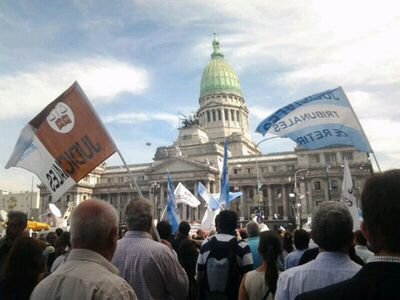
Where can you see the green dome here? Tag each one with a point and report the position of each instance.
(218, 76)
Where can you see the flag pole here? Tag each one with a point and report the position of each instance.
(163, 213)
(362, 129)
(133, 180)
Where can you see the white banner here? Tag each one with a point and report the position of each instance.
(348, 197)
(183, 195)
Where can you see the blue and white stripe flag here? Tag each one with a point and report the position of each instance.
(318, 121)
(212, 203)
(172, 215)
(224, 196)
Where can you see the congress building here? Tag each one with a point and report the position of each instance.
(290, 184)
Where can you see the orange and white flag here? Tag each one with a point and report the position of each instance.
(63, 143)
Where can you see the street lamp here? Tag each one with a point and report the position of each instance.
(258, 170)
(296, 195)
(327, 167)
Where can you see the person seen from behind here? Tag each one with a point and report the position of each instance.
(260, 284)
(25, 267)
(332, 230)
(301, 241)
(379, 278)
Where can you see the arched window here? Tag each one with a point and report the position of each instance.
(208, 116)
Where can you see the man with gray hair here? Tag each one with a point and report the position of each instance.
(253, 231)
(87, 272)
(332, 230)
(150, 267)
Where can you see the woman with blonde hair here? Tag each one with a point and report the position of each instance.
(260, 284)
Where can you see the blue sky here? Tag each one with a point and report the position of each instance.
(140, 63)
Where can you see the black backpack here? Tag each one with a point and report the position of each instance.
(222, 271)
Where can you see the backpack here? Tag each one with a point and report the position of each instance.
(222, 271)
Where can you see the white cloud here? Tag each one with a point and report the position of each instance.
(135, 118)
(260, 112)
(26, 93)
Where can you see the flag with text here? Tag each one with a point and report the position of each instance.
(63, 143)
(318, 121)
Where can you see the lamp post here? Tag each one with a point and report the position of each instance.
(258, 170)
(297, 197)
(327, 181)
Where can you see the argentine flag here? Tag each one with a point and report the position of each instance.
(318, 121)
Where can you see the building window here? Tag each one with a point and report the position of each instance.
(347, 155)
(232, 115)
(213, 116)
(237, 116)
(251, 193)
(219, 114)
(314, 158)
(330, 158)
(317, 185)
(334, 184)
(248, 170)
(208, 116)
(235, 171)
(226, 115)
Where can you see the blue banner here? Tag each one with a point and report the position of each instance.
(224, 196)
(172, 215)
(321, 120)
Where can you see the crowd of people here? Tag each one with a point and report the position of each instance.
(93, 261)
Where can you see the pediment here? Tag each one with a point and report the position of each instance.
(179, 165)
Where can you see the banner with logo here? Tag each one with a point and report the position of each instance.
(318, 121)
(183, 195)
(63, 143)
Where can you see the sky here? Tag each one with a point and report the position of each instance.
(140, 64)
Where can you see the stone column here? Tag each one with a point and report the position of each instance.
(284, 202)
(270, 203)
(119, 203)
(243, 207)
(310, 205)
(161, 199)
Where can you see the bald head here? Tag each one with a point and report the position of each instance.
(94, 226)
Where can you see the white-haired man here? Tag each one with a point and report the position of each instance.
(87, 272)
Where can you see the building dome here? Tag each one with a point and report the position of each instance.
(218, 76)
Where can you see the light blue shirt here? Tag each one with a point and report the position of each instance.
(293, 258)
(253, 244)
(328, 268)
